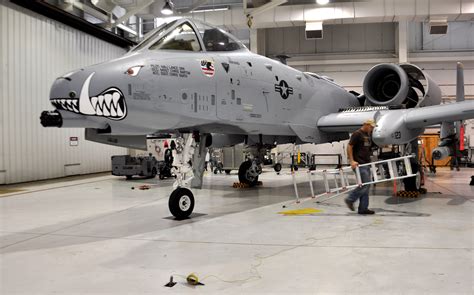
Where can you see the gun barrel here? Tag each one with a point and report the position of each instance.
(51, 119)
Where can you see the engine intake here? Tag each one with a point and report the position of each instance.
(441, 153)
(406, 84)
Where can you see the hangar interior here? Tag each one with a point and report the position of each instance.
(67, 226)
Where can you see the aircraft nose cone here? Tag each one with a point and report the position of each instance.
(64, 95)
(74, 93)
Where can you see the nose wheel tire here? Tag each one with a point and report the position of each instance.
(181, 203)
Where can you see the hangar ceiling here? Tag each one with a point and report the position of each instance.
(372, 11)
(132, 18)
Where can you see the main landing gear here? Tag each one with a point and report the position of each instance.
(249, 172)
(414, 183)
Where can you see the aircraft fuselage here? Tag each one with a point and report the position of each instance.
(234, 92)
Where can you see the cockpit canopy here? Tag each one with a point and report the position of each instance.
(189, 35)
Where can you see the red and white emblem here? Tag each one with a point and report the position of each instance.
(207, 67)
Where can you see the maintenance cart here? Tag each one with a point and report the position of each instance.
(129, 166)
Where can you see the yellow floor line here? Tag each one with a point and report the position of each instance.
(303, 211)
(9, 191)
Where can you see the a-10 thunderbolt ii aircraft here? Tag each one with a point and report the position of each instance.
(187, 77)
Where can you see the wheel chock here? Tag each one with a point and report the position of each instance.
(144, 187)
(244, 185)
(240, 185)
(408, 194)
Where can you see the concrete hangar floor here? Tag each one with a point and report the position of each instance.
(95, 235)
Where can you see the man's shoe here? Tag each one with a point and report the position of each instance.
(349, 204)
(366, 212)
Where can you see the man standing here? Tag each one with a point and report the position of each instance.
(359, 152)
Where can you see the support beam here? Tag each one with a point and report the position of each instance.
(254, 40)
(194, 6)
(313, 62)
(261, 9)
(129, 13)
(103, 17)
(257, 41)
(403, 41)
(56, 13)
(337, 12)
(87, 9)
(345, 61)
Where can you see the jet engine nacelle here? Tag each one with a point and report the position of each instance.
(441, 152)
(392, 129)
(405, 84)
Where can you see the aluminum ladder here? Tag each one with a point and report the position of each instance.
(337, 181)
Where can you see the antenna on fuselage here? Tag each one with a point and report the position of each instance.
(282, 58)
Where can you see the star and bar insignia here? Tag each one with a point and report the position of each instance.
(284, 90)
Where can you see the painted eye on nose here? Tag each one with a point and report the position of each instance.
(133, 71)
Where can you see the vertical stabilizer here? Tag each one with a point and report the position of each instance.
(452, 133)
(459, 82)
(459, 98)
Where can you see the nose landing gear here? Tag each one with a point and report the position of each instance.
(181, 201)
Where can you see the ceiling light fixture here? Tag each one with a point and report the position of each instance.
(167, 8)
(322, 2)
(211, 9)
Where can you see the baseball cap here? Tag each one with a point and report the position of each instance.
(370, 122)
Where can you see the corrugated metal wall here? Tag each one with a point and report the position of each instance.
(34, 50)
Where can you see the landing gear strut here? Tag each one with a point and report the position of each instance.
(414, 183)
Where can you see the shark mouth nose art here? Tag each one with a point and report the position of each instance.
(110, 103)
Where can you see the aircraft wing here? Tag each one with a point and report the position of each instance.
(436, 114)
(400, 126)
(396, 126)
